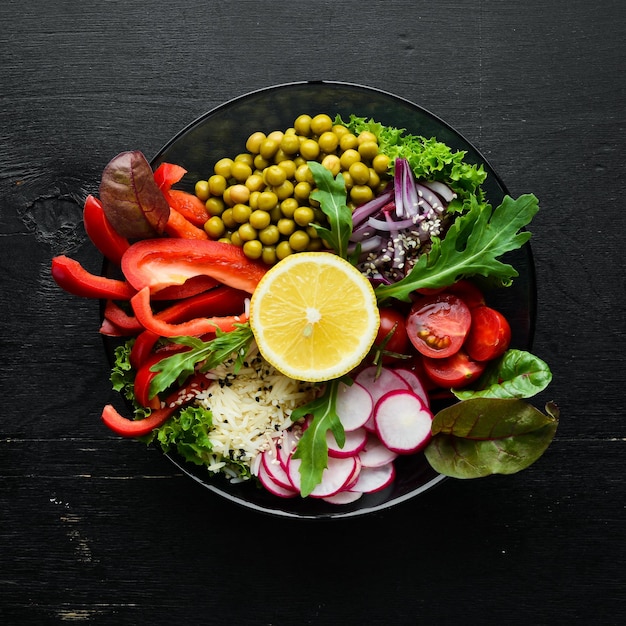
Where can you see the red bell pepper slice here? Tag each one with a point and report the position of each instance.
(159, 263)
(142, 348)
(138, 428)
(125, 323)
(141, 384)
(188, 205)
(109, 329)
(195, 327)
(168, 174)
(191, 287)
(180, 227)
(102, 234)
(71, 276)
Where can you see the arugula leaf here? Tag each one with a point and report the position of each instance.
(331, 194)
(471, 247)
(516, 374)
(178, 367)
(484, 436)
(312, 448)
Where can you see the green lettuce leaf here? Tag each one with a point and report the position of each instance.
(484, 436)
(517, 374)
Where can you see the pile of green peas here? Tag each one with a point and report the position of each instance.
(261, 200)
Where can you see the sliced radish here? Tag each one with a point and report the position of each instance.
(274, 469)
(373, 479)
(273, 487)
(343, 497)
(354, 405)
(285, 446)
(403, 422)
(414, 383)
(355, 442)
(334, 478)
(375, 454)
(378, 384)
(355, 475)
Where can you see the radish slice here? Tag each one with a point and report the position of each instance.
(273, 487)
(354, 405)
(403, 422)
(355, 442)
(373, 479)
(343, 497)
(334, 478)
(285, 446)
(377, 387)
(375, 454)
(414, 383)
(274, 469)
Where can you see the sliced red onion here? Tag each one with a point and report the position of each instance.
(361, 213)
(441, 189)
(389, 225)
(429, 196)
(368, 245)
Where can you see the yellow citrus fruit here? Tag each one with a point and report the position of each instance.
(314, 316)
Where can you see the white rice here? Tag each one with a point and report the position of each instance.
(250, 410)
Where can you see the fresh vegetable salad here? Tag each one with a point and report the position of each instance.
(291, 322)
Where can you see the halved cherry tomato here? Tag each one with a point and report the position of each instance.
(468, 292)
(437, 325)
(457, 370)
(489, 335)
(392, 336)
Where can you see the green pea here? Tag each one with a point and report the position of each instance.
(259, 219)
(283, 249)
(268, 255)
(247, 232)
(241, 213)
(253, 249)
(202, 190)
(303, 216)
(286, 226)
(299, 240)
(269, 235)
(214, 227)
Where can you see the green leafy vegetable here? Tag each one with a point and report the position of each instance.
(122, 378)
(207, 354)
(331, 194)
(471, 247)
(517, 374)
(312, 447)
(429, 159)
(484, 436)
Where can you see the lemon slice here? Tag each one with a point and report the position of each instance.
(314, 316)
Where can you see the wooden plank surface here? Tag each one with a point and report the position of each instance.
(100, 530)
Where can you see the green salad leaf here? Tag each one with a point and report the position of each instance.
(516, 374)
(312, 448)
(429, 159)
(207, 354)
(122, 377)
(331, 194)
(472, 246)
(484, 436)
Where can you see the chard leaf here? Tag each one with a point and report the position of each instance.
(472, 246)
(131, 199)
(331, 194)
(206, 354)
(517, 374)
(312, 448)
(485, 436)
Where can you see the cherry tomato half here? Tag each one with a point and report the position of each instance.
(392, 336)
(468, 292)
(437, 325)
(457, 370)
(489, 335)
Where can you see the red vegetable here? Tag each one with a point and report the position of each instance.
(220, 301)
(101, 232)
(125, 323)
(457, 370)
(71, 276)
(489, 335)
(195, 327)
(191, 287)
(159, 263)
(188, 205)
(179, 226)
(468, 292)
(142, 348)
(168, 174)
(437, 325)
(392, 333)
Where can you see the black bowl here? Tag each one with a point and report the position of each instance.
(223, 132)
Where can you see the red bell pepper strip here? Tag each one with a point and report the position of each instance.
(180, 227)
(109, 329)
(191, 287)
(168, 174)
(71, 276)
(141, 384)
(195, 327)
(142, 348)
(188, 205)
(138, 428)
(102, 234)
(159, 263)
(127, 324)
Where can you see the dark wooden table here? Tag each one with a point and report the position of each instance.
(103, 530)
